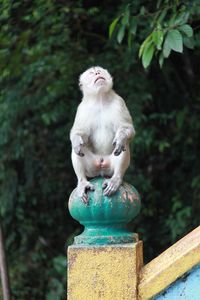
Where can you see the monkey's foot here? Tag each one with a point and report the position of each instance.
(82, 189)
(111, 185)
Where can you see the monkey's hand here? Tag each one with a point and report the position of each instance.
(79, 150)
(119, 146)
(111, 185)
(82, 189)
(77, 145)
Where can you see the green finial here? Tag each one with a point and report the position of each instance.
(105, 218)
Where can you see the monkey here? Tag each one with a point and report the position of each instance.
(101, 133)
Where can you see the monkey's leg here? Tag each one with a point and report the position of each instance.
(83, 167)
(119, 164)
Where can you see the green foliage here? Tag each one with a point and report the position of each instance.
(45, 45)
(56, 284)
(168, 26)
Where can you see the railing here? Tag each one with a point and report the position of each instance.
(165, 269)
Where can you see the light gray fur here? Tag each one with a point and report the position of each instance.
(102, 130)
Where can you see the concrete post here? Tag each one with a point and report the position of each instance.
(104, 272)
(105, 260)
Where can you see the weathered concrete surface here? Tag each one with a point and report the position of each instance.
(185, 288)
(104, 272)
(165, 269)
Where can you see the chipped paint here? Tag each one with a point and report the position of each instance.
(105, 218)
(104, 272)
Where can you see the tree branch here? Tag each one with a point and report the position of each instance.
(4, 268)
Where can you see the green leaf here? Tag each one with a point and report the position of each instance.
(171, 22)
(146, 41)
(120, 34)
(175, 40)
(166, 49)
(195, 182)
(158, 36)
(161, 60)
(162, 15)
(182, 18)
(133, 25)
(158, 3)
(188, 42)
(125, 19)
(187, 29)
(163, 145)
(113, 25)
(142, 10)
(148, 54)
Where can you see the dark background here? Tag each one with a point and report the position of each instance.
(44, 46)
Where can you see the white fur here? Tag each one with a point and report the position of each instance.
(87, 79)
(102, 119)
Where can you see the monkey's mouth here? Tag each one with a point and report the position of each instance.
(98, 78)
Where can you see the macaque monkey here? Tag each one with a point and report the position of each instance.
(100, 134)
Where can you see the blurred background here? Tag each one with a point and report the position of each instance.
(44, 46)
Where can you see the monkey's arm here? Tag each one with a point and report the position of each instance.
(78, 141)
(79, 133)
(125, 131)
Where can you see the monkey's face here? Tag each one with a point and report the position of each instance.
(95, 80)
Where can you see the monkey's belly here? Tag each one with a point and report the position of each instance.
(101, 141)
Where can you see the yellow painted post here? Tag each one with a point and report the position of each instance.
(104, 272)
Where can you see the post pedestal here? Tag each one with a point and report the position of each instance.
(104, 261)
(104, 272)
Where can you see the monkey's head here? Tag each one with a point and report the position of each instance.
(95, 80)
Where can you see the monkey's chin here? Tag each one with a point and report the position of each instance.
(102, 86)
(98, 87)
(100, 83)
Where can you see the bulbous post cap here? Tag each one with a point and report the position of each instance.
(105, 218)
